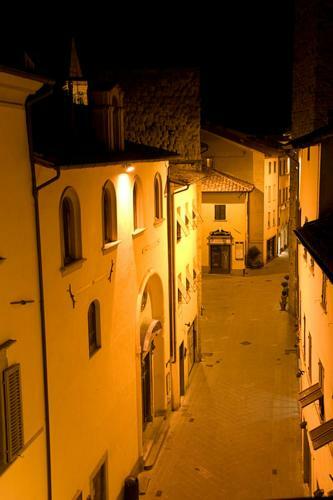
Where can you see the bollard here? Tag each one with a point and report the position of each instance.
(131, 490)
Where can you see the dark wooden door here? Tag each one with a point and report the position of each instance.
(191, 347)
(215, 258)
(181, 369)
(225, 259)
(146, 389)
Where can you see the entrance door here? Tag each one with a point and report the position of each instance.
(306, 459)
(220, 259)
(191, 347)
(181, 369)
(146, 389)
(225, 259)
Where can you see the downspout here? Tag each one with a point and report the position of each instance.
(171, 266)
(35, 189)
(247, 227)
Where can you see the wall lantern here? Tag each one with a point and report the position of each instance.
(128, 168)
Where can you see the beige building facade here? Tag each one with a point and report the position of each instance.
(224, 212)
(23, 420)
(315, 292)
(255, 162)
(112, 352)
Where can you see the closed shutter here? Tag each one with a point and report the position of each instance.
(13, 411)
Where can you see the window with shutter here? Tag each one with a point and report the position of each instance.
(13, 412)
(220, 212)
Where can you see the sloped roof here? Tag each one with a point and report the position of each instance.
(317, 238)
(265, 146)
(220, 182)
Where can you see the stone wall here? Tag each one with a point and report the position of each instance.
(162, 109)
(313, 65)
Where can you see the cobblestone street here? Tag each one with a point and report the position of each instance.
(237, 434)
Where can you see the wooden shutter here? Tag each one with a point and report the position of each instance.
(13, 411)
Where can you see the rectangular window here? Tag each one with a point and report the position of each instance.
(183, 296)
(220, 212)
(269, 167)
(324, 292)
(273, 218)
(304, 338)
(275, 167)
(98, 484)
(309, 154)
(181, 225)
(321, 377)
(12, 427)
(280, 166)
(269, 220)
(310, 356)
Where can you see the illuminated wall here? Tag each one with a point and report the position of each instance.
(270, 203)
(95, 401)
(25, 477)
(253, 166)
(315, 320)
(235, 223)
(187, 284)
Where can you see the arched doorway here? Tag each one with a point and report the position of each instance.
(152, 401)
(151, 390)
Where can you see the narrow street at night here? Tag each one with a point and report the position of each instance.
(237, 433)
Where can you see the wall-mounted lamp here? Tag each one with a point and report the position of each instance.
(303, 424)
(299, 373)
(128, 168)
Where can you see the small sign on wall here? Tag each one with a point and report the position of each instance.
(239, 250)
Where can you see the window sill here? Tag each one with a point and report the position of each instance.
(158, 222)
(73, 266)
(138, 231)
(111, 245)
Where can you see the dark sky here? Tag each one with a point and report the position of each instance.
(243, 49)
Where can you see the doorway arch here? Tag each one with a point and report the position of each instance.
(151, 351)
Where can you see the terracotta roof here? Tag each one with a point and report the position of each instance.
(316, 237)
(225, 183)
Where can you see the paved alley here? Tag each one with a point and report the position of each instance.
(237, 435)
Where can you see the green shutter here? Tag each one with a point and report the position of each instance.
(13, 411)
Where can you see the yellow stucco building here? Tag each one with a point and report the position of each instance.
(225, 232)
(256, 162)
(100, 330)
(315, 294)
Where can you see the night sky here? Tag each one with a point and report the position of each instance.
(244, 52)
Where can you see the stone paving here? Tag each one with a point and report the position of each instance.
(237, 434)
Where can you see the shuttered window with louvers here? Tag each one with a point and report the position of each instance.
(13, 411)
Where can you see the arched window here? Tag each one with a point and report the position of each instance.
(137, 205)
(70, 227)
(158, 205)
(94, 333)
(109, 213)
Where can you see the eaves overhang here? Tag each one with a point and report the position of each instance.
(317, 237)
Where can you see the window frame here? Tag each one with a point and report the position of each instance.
(137, 205)
(70, 228)
(217, 208)
(324, 284)
(109, 214)
(158, 197)
(94, 327)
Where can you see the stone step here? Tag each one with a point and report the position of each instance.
(151, 457)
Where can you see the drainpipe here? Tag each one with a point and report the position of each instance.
(171, 266)
(35, 189)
